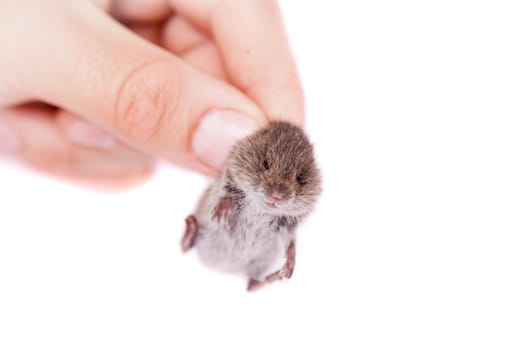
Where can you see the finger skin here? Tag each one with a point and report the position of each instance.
(121, 83)
(150, 32)
(140, 10)
(181, 36)
(44, 146)
(253, 45)
(184, 40)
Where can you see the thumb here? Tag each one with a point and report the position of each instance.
(88, 64)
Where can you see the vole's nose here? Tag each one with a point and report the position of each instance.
(276, 194)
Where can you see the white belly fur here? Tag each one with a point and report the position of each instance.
(253, 248)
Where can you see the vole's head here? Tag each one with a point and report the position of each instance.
(276, 169)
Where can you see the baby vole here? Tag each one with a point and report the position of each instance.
(246, 220)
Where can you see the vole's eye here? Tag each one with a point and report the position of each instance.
(266, 165)
(300, 179)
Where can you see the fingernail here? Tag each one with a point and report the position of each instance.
(217, 133)
(9, 142)
(85, 134)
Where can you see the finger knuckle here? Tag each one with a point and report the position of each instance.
(147, 102)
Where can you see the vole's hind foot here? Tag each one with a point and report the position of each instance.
(192, 228)
(254, 284)
(285, 272)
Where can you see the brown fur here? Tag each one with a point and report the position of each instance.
(289, 154)
(247, 218)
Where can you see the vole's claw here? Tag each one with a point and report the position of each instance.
(192, 228)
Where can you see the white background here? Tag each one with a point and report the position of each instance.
(417, 112)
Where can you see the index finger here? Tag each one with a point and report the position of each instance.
(254, 47)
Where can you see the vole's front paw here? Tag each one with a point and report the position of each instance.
(223, 208)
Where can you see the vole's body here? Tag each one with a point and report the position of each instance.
(246, 220)
(248, 242)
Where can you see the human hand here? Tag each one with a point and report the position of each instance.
(110, 102)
